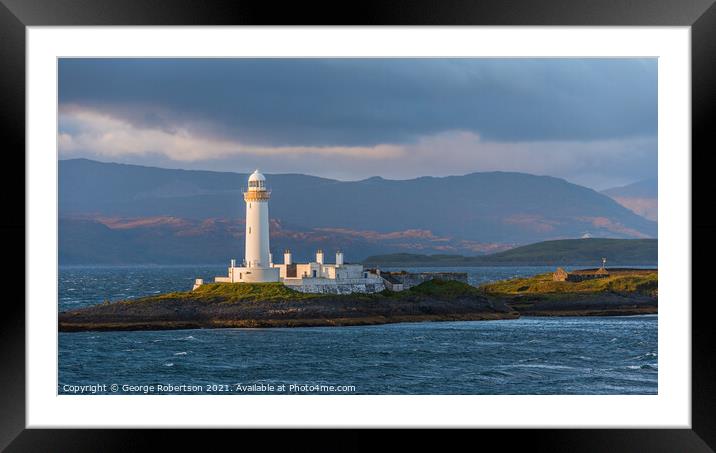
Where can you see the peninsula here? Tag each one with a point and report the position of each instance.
(593, 292)
(217, 305)
(584, 251)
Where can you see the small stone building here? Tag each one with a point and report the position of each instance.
(560, 275)
(391, 282)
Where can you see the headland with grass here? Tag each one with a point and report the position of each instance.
(258, 305)
(622, 292)
(217, 305)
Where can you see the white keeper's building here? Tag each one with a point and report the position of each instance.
(314, 277)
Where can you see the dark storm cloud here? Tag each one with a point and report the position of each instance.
(358, 102)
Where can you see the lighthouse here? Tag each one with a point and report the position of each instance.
(257, 222)
(258, 266)
(257, 258)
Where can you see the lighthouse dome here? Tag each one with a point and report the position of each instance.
(257, 181)
(257, 176)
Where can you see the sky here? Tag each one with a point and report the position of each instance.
(590, 121)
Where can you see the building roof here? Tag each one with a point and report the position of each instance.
(257, 176)
(390, 278)
(590, 271)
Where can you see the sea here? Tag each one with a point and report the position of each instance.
(615, 355)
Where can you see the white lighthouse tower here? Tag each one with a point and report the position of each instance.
(257, 259)
(257, 222)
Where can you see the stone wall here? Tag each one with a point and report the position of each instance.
(369, 285)
(339, 288)
(583, 277)
(410, 279)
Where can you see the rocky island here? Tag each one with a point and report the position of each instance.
(253, 305)
(619, 292)
(218, 305)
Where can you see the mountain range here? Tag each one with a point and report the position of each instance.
(122, 214)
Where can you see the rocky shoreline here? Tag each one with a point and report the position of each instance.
(257, 306)
(73, 326)
(597, 304)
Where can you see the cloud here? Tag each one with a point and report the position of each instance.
(596, 163)
(366, 102)
(102, 135)
(590, 121)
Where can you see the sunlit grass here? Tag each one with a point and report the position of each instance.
(543, 283)
(278, 292)
(235, 292)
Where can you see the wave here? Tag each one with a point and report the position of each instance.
(543, 366)
(582, 357)
(649, 366)
(648, 355)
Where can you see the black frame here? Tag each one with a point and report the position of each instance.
(15, 15)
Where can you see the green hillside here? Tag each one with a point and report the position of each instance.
(558, 252)
(255, 305)
(639, 282)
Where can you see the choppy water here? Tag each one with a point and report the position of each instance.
(599, 355)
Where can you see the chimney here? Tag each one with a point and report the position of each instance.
(233, 263)
(319, 256)
(287, 257)
(270, 259)
(339, 258)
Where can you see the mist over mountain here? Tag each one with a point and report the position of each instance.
(118, 213)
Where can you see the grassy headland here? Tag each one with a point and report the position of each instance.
(274, 305)
(625, 292)
(217, 305)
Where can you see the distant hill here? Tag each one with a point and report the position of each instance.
(560, 252)
(117, 213)
(648, 188)
(170, 240)
(641, 197)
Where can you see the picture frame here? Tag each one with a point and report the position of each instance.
(16, 15)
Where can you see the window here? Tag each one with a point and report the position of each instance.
(249, 230)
